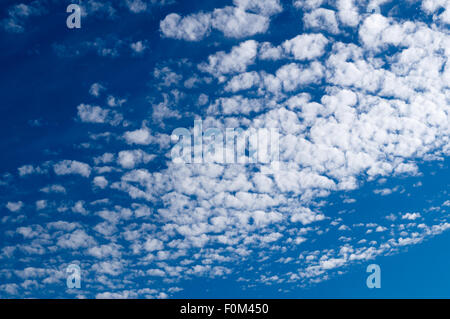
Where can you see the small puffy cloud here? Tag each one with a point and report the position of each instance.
(306, 46)
(96, 89)
(116, 295)
(104, 159)
(19, 13)
(261, 218)
(14, 206)
(407, 168)
(153, 244)
(236, 23)
(235, 105)
(322, 19)
(100, 181)
(104, 251)
(269, 52)
(156, 273)
(92, 114)
(129, 159)
(243, 81)
(348, 12)
(99, 8)
(293, 75)
(136, 6)
(55, 188)
(235, 61)
(30, 169)
(378, 32)
(308, 4)
(202, 99)
(140, 137)
(75, 240)
(190, 28)
(138, 47)
(62, 225)
(302, 47)
(113, 101)
(411, 216)
(262, 7)
(386, 191)
(246, 18)
(41, 204)
(167, 76)
(11, 288)
(306, 216)
(67, 167)
(26, 170)
(79, 208)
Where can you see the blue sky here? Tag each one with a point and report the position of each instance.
(359, 91)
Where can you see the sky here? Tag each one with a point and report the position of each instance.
(358, 91)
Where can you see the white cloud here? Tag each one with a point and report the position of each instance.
(105, 251)
(92, 114)
(30, 169)
(411, 216)
(433, 6)
(41, 204)
(55, 188)
(243, 81)
(79, 208)
(235, 105)
(153, 244)
(293, 75)
(236, 23)
(263, 7)
(100, 181)
(96, 89)
(75, 240)
(378, 31)
(302, 47)
(14, 206)
(113, 101)
(246, 18)
(322, 19)
(306, 46)
(136, 6)
(141, 136)
(308, 4)
(67, 167)
(104, 159)
(190, 28)
(306, 216)
(112, 268)
(99, 8)
(156, 273)
(348, 12)
(19, 13)
(129, 159)
(269, 52)
(234, 62)
(139, 47)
